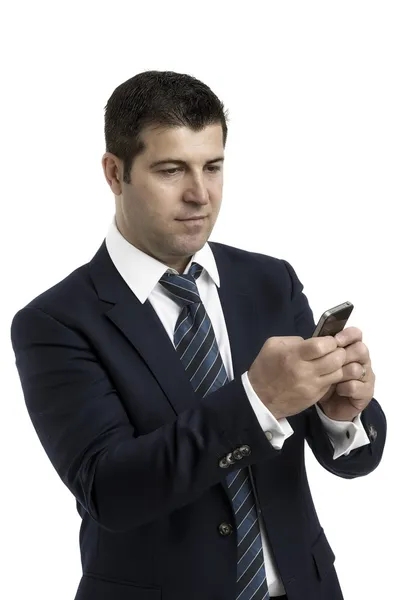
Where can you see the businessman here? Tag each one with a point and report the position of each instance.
(173, 381)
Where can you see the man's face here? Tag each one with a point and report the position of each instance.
(151, 210)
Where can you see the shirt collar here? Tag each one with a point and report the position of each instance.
(142, 272)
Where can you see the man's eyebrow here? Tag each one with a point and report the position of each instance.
(177, 161)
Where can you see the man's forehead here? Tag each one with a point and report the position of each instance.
(181, 144)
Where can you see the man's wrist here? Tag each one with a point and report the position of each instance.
(338, 415)
(271, 406)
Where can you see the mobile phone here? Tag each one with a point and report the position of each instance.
(333, 320)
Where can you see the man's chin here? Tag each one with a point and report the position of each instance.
(191, 245)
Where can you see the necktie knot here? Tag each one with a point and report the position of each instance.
(183, 288)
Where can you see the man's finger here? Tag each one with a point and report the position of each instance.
(347, 336)
(351, 389)
(354, 371)
(316, 347)
(357, 352)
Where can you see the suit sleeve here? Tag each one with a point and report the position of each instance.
(360, 461)
(123, 479)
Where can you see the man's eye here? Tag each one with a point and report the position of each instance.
(168, 171)
(172, 171)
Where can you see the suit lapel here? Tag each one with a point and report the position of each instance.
(140, 324)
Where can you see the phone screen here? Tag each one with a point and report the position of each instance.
(333, 320)
(333, 325)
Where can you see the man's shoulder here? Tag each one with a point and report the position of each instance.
(67, 292)
(246, 258)
(265, 273)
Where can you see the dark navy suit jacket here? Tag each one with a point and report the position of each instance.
(122, 426)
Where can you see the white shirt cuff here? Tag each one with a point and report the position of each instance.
(344, 435)
(276, 431)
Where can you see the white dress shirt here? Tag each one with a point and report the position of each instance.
(142, 273)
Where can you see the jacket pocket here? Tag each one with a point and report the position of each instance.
(93, 587)
(323, 555)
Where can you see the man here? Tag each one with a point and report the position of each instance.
(173, 381)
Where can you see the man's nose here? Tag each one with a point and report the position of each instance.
(197, 193)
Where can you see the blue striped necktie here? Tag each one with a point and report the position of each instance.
(195, 342)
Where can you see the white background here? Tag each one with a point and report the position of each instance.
(311, 175)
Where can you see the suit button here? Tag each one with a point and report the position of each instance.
(237, 454)
(372, 433)
(225, 528)
(230, 459)
(245, 450)
(223, 463)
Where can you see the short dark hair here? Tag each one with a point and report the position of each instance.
(159, 98)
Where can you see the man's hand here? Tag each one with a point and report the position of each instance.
(291, 374)
(348, 398)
